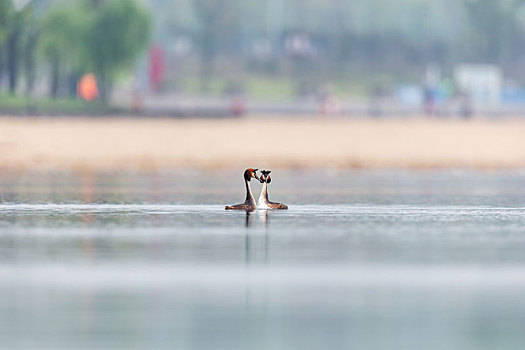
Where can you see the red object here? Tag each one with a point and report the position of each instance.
(87, 87)
(157, 68)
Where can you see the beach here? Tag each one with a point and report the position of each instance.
(50, 144)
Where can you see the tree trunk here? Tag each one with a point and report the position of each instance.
(55, 78)
(13, 53)
(207, 66)
(104, 88)
(29, 62)
(2, 66)
(72, 82)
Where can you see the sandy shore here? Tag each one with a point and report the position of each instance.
(55, 144)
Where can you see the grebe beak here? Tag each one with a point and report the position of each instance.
(254, 174)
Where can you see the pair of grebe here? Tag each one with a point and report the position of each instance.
(263, 203)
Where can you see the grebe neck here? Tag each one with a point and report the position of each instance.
(263, 198)
(249, 195)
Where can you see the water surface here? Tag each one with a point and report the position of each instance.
(371, 260)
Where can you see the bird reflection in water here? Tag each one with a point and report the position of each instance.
(249, 218)
(256, 253)
(261, 214)
(256, 243)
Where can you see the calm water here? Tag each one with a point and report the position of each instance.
(363, 260)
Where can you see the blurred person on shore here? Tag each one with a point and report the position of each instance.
(327, 102)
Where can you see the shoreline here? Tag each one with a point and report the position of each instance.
(51, 144)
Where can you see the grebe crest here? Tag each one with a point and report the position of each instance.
(249, 173)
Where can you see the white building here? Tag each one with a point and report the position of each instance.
(482, 82)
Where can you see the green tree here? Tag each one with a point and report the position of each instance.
(217, 19)
(119, 31)
(18, 23)
(29, 48)
(62, 42)
(6, 8)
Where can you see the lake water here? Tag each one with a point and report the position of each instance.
(362, 259)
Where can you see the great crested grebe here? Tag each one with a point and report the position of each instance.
(249, 203)
(264, 202)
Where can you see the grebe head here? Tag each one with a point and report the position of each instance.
(249, 173)
(265, 176)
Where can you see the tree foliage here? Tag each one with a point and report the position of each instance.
(104, 37)
(19, 21)
(62, 41)
(61, 29)
(6, 9)
(217, 19)
(118, 32)
(392, 36)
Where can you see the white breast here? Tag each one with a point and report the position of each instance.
(262, 203)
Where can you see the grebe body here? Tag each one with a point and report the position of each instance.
(264, 202)
(249, 203)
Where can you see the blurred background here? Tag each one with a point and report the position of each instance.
(319, 76)
(194, 57)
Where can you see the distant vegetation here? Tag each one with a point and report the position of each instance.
(368, 42)
(265, 48)
(68, 39)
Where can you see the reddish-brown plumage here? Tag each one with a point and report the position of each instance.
(249, 173)
(277, 205)
(246, 207)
